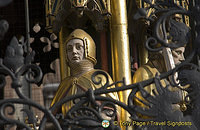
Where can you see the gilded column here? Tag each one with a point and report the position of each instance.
(64, 69)
(120, 47)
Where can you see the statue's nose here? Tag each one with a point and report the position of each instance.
(182, 58)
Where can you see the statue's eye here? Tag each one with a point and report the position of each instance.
(178, 52)
(78, 46)
(69, 48)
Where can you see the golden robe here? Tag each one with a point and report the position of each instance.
(143, 73)
(73, 85)
(146, 72)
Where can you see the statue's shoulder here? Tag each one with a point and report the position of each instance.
(65, 81)
(100, 70)
(67, 78)
(144, 69)
(96, 71)
(143, 73)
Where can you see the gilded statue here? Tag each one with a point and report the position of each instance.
(165, 60)
(157, 65)
(80, 55)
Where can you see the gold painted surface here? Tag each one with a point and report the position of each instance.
(148, 71)
(139, 3)
(89, 45)
(120, 48)
(143, 73)
(80, 79)
(64, 69)
(69, 85)
(62, 56)
(48, 9)
(52, 7)
(187, 20)
(78, 3)
(143, 53)
(151, 9)
(108, 5)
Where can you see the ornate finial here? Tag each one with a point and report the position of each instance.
(3, 27)
(14, 58)
(4, 2)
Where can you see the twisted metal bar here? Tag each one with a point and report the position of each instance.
(26, 102)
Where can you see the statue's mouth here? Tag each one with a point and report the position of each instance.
(75, 58)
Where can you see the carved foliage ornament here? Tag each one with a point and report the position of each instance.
(92, 11)
(79, 3)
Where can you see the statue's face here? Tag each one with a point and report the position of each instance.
(178, 55)
(75, 50)
(79, 3)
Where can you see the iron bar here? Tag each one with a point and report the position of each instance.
(27, 38)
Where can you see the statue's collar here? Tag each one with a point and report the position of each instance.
(80, 68)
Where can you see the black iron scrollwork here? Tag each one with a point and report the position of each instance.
(3, 28)
(168, 32)
(4, 2)
(98, 80)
